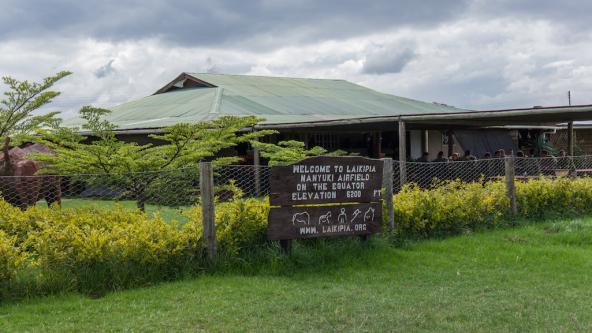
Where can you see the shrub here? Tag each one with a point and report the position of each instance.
(554, 197)
(455, 206)
(112, 255)
(10, 258)
(241, 224)
(449, 208)
(94, 250)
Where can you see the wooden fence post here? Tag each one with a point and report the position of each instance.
(387, 183)
(206, 186)
(510, 185)
(257, 170)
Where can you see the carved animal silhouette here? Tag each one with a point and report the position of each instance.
(325, 218)
(369, 215)
(18, 186)
(301, 218)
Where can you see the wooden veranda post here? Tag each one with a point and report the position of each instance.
(402, 152)
(206, 186)
(387, 183)
(450, 139)
(510, 185)
(570, 139)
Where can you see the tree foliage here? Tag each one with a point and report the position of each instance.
(17, 119)
(183, 145)
(287, 152)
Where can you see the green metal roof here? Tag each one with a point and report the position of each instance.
(278, 100)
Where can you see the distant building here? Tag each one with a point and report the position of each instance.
(334, 114)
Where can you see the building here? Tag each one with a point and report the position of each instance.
(334, 114)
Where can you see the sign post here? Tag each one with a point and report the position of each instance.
(325, 196)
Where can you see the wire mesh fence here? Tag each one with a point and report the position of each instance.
(170, 188)
(177, 188)
(180, 188)
(242, 180)
(431, 174)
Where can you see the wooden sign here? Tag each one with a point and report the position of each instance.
(326, 180)
(322, 221)
(349, 188)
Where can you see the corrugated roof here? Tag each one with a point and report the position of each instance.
(279, 100)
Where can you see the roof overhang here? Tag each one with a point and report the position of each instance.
(550, 116)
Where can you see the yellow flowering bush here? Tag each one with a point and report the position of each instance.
(449, 208)
(10, 258)
(240, 224)
(115, 253)
(456, 206)
(554, 197)
(94, 250)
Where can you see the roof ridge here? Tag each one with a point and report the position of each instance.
(267, 76)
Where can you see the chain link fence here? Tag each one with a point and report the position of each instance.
(242, 180)
(178, 189)
(170, 188)
(431, 174)
(150, 191)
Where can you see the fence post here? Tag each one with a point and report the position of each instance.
(510, 185)
(206, 186)
(257, 167)
(387, 183)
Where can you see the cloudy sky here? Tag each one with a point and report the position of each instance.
(477, 54)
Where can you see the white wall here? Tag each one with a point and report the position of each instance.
(435, 144)
(415, 143)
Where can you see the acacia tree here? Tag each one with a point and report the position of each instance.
(287, 152)
(184, 145)
(18, 123)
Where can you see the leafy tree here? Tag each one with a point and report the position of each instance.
(18, 123)
(184, 145)
(287, 152)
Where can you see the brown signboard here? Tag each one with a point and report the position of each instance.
(326, 180)
(323, 221)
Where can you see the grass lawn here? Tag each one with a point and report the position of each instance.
(532, 278)
(167, 213)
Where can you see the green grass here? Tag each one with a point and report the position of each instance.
(167, 213)
(532, 278)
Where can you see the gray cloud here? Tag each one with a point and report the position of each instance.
(468, 53)
(270, 23)
(390, 60)
(574, 13)
(105, 70)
